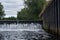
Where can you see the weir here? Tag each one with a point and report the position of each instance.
(20, 21)
(20, 27)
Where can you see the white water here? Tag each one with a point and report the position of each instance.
(20, 27)
(22, 32)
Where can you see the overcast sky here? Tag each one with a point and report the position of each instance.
(12, 6)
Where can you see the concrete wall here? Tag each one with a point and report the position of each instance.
(50, 18)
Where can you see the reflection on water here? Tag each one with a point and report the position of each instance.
(31, 31)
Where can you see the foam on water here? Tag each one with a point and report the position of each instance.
(20, 27)
(20, 31)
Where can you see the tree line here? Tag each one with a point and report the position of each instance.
(30, 12)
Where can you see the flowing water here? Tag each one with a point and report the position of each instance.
(32, 31)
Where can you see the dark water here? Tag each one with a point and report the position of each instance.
(31, 31)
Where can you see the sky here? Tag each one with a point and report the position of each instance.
(12, 6)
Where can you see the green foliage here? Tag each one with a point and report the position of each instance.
(35, 6)
(9, 18)
(1, 11)
(23, 14)
(31, 10)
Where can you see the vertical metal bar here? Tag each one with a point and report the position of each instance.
(57, 12)
(58, 19)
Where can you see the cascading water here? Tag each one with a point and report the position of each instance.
(32, 31)
(20, 27)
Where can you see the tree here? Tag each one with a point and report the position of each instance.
(1, 11)
(32, 10)
(23, 14)
(9, 18)
(35, 6)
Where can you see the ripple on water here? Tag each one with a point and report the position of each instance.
(24, 35)
(30, 32)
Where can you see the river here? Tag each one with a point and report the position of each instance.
(23, 31)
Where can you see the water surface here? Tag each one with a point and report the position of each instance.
(32, 31)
